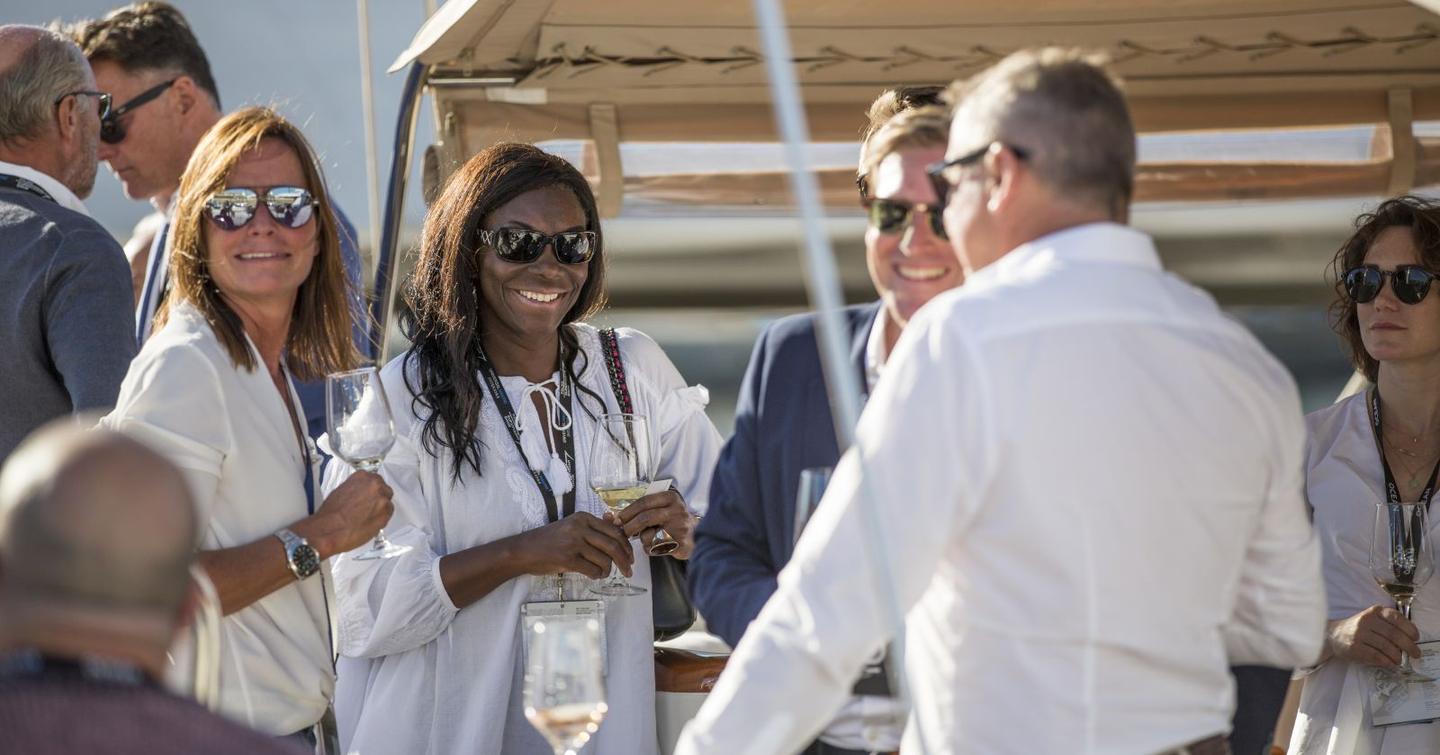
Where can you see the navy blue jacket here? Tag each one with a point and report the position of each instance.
(782, 426)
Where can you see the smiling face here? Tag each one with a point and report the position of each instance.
(263, 263)
(911, 266)
(149, 160)
(530, 301)
(1392, 330)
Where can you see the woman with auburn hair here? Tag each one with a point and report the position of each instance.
(1381, 445)
(259, 298)
(496, 406)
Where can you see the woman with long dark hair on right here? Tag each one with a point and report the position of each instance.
(1389, 318)
(496, 409)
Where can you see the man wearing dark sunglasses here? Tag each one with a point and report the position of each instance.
(783, 423)
(64, 292)
(1089, 478)
(165, 99)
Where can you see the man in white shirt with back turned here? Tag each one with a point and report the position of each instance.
(1090, 479)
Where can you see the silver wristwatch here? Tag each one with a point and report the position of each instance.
(304, 560)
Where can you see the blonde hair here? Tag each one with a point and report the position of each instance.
(927, 126)
(322, 321)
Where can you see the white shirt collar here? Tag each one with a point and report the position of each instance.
(62, 194)
(1104, 243)
(875, 351)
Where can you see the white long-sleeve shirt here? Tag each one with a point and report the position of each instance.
(419, 674)
(1091, 488)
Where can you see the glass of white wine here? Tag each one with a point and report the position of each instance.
(620, 471)
(1401, 558)
(564, 688)
(362, 430)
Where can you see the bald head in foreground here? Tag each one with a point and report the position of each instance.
(97, 535)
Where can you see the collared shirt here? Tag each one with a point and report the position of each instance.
(1081, 539)
(229, 430)
(875, 351)
(61, 193)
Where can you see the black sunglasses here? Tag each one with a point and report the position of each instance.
(1409, 282)
(943, 184)
(523, 246)
(290, 206)
(889, 216)
(111, 130)
(103, 97)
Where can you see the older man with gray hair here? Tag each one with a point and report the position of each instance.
(1089, 478)
(65, 297)
(97, 535)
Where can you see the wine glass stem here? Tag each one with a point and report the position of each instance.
(1403, 604)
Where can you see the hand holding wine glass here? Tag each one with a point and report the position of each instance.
(1401, 557)
(564, 689)
(620, 471)
(361, 431)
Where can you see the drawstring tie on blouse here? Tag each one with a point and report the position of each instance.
(557, 419)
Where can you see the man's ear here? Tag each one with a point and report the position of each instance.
(67, 116)
(1002, 175)
(187, 94)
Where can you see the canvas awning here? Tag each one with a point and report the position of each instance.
(649, 71)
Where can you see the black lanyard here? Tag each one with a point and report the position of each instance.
(1392, 491)
(512, 424)
(8, 181)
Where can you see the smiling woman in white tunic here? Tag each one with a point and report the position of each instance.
(1390, 319)
(511, 260)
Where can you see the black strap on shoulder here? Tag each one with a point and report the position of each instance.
(610, 345)
(8, 181)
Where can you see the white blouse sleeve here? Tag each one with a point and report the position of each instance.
(392, 605)
(172, 401)
(687, 442)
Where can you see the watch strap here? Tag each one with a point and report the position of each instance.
(294, 543)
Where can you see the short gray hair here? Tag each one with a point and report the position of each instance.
(1067, 111)
(51, 67)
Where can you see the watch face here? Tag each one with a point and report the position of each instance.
(306, 560)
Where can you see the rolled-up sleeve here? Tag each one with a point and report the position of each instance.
(392, 605)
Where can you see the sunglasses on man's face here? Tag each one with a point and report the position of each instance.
(523, 246)
(944, 176)
(290, 206)
(112, 131)
(891, 217)
(1409, 282)
(102, 98)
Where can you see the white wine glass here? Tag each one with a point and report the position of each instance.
(564, 685)
(1401, 558)
(362, 430)
(620, 471)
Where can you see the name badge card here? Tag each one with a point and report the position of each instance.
(567, 609)
(1396, 698)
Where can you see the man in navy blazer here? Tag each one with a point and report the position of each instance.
(783, 423)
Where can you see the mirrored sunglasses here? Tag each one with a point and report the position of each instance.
(523, 246)
(290, 206)
(1409, 282)
(891, 217)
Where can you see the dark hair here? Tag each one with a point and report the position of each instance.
(1422, 217)
(148, 36)
(443, 295)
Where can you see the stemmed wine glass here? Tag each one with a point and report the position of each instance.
(620, 471)
(362, 431)
(1401, 559)
(564, 691)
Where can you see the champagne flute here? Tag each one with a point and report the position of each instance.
(564, 691)
(362, 431)
(619, 473)
(1401, 558)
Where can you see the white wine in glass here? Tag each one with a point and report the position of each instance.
(564, 688)
(620, 471)
(362, 430)
(1401, 558)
